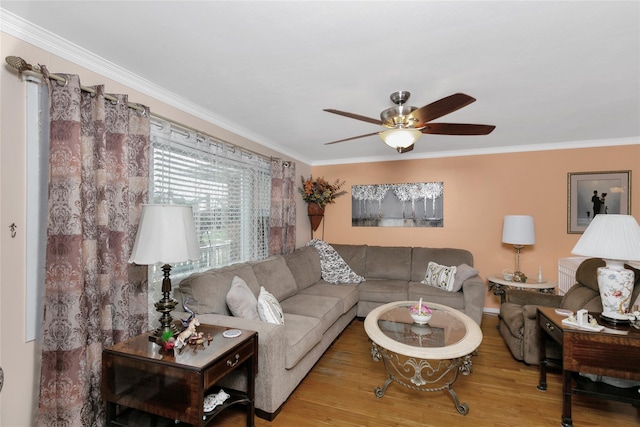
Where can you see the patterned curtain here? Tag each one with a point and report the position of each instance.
(282, 221)
(98, 178)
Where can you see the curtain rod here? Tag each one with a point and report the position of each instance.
(21, 66)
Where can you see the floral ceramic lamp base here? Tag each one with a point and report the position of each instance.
(616, 287)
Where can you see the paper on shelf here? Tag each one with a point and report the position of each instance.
(586, 327)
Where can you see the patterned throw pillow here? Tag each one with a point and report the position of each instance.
(440, 276)
(333, 268)
(269, 308)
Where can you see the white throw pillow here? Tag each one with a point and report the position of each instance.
(269, 308)
(440, 276)
(241, 301)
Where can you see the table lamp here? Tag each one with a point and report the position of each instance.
(166, 235)
(518, 231)
(615, 239)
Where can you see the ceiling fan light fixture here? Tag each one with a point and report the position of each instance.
(401, 137)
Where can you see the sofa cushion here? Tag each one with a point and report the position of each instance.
(269, 308)
(441, 276)
(304, 264)
(388, 263)
(420, 258)
(301, 333)
(333, 268)
(428, 294)
(326, 309)
(463, 273)
(378, 290)
(347, 293)
(209, 289)
(354, 255)
(274, 274)
(241, 300)
(578, 296)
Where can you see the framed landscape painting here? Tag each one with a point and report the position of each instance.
(415, 204)
(596, 193)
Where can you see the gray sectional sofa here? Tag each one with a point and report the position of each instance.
(315, 311)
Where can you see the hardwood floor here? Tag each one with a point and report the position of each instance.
(500, 392)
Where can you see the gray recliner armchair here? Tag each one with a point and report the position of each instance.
(518, 325)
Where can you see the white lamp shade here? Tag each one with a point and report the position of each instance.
(518, 230)
(166, 234)
(615, 237)
(400, 138)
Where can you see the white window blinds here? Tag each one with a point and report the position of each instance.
(228, 188)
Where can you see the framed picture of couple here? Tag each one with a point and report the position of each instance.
(596, 193)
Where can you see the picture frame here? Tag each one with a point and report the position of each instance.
(413, 204)
(612, 189)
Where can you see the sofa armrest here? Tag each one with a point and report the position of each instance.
(522, 297)
(475, 291)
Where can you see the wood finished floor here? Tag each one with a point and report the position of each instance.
(500, 392)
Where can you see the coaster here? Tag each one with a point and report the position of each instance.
(232, 333)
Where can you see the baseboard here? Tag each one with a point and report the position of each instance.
(494, 311)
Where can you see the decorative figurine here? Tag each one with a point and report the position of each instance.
(183, 337)
(192, 315)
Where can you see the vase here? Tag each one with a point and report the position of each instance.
(316, 213)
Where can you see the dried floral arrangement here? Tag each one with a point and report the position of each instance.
(320, 191)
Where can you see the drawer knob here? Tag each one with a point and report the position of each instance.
(550, 326)
(231, 363)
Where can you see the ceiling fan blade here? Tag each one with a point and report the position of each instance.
(354, 116)
(406, 149)
(441, 107)
(457, 129)
(349, 139)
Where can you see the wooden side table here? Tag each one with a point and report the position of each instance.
(613, 352)
(497, 284)
(139, 374)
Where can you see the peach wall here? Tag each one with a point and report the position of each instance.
(478, 192)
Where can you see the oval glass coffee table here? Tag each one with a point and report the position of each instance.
(423, 357)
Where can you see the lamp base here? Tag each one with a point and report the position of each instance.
(165, 306)
(616, 286)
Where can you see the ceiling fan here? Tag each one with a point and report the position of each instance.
(405, 124)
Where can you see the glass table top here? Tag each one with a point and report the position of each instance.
(448, 334)
(443, 329)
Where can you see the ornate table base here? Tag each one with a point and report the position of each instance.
(422, 374)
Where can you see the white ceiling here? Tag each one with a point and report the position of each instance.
(546, 74)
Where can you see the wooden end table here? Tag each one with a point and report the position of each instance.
(613, 352)
(139, 374)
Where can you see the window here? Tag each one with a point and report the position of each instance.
(37, 170)
(229, 189)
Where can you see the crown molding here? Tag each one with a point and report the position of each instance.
(490, 150)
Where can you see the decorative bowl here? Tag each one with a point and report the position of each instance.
(420, 313)
(421, 319)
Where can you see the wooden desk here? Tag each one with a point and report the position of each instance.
(139, 374)
(604, 353)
